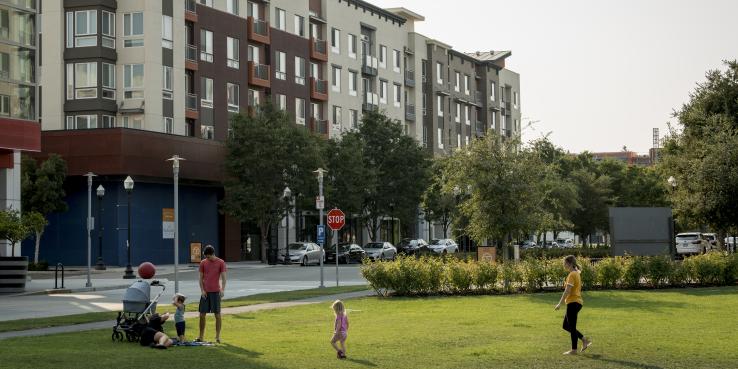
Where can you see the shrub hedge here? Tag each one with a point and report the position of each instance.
(407, 276)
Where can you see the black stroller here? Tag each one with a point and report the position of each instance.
(137, 309)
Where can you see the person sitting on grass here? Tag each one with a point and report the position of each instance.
(573, 298)
(340, 329)
(179, 320)
(153, 335)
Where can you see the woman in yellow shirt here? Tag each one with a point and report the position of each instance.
(573, 298)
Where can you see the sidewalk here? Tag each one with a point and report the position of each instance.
(225, 311)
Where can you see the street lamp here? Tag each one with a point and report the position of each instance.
(128, 185)
(673, 184)
(175, 172)
(100, 193)
(90, 226)
(286, 195)
(392, 223)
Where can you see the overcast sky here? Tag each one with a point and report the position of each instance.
(598, 74)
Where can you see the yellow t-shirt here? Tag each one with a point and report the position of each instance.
(575, 294)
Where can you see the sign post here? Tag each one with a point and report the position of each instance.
(319, 203)
(336, 221)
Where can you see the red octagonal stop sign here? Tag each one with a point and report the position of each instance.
(336, 219)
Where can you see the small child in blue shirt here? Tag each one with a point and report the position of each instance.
(179, 320)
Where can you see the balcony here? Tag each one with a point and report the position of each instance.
(191, 11)
(410, 78)
(259, 75)
(318, 126)
(318, 89)
(258, 30)
(318, 50)
(371, 101)
(191, 111)
(191, 57)
(478, 98)
(410, 112)
(369, 65)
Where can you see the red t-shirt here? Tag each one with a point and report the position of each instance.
(211, 271)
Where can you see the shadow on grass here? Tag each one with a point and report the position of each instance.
(630, 364)
(638, 300)
(243, 317)
(361, 362)
(240, 351)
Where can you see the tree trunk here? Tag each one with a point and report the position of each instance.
(264, 230)
(38, 247)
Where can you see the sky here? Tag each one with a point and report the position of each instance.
(597, 74)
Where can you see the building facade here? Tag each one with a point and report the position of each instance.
(19, 129)
(127, 84)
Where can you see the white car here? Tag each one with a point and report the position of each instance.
(380, 251)
(691, 243)
(444, 246)
(305, 253)
(567, 243)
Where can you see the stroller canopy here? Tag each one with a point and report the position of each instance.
(137, 297)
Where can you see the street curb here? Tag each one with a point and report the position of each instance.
(60, 291)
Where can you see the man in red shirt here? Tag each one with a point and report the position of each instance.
(212, 285)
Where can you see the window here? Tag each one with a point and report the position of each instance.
(300, 111)
(397, 95)
(206, 45)
(232, 6)
(354, 118)
(233, 96)
(494, 121)
(108, 29)
(81, 28)
(252, 98)
(467, 115)
(84, 76)
(108, 81)
(207, 3)
(352, 80)
(458, 140)
(166, 32)
(299, 70)
(440, 105)
(133, 121)
(206, 90)
(457, 112)
(336, 83)
(316, 111)
(133, 26)
(108, 121)
(299, 26)
(457, 86)
(515, 99)
(467, 85)
(4, 105)
(352, 46)
(382, 56)
(492, 90)
(252, 9)
(133, 81)
(439, 73)
(253, 54)
(336, 114)
(281, 64)
(440, 138)
(207, 132)
(281, 102)
(280, 19)
(82, 122)
(335, 40)
(232, 45)
(168, 125)
(383, 92)
(425, 105)
(396, 60)
(167, 82)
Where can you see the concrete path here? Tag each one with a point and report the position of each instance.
(225, 311)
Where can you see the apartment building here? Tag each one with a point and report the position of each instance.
(127, 84)
(19, 130)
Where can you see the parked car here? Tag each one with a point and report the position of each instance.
(413, 246)
(551, 245)
(730, 243)
(711, 239)
(305, 253)
(380, 251)
(444, 246)
(347, 253)
(528, 245)
(691, 243)
(567, 243)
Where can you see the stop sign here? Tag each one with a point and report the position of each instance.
(336, 219)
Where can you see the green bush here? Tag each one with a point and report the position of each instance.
(511, 276)
(557, 253)
(634, 268)
(534, 274)
(609, 272)
(486, 275)
(377, 276)
(679, 275)
(41, 266)
(706, 269)
(556, 272)
(460, 275)
(588, 273)
(659, 270)
(730, 271)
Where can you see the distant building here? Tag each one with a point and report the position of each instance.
(627, 157)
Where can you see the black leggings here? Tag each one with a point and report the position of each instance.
(570, 323)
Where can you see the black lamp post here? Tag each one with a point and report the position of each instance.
(457, 196)
(128, 185)
(392, 222)
(100, 263)
(286, 195)
(672, 243)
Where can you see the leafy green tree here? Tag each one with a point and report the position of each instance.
(267, 152)
(42, 186)
(594, 196)
(346, 173)
(439, 206)
(36, 223)
(12, 228)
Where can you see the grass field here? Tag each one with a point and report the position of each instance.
(685, 328)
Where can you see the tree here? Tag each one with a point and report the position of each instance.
(12, 228)
(266, 152)
(42, 186)
(36, 223)
(346, 173)
(594, 194)
(439, 206)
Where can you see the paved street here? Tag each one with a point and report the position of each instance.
(243, 279)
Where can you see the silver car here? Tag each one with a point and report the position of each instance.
(380, 251)
(305, 253)
(444, 246)
(691, 243)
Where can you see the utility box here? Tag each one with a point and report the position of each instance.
(642, 231)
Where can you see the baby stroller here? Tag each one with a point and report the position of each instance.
(137, 309)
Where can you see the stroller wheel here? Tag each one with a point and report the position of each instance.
(130, 337)
(117, 336)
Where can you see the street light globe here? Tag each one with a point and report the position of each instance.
(100, 191)
(287, 193)
(128, 184)
(672, 181)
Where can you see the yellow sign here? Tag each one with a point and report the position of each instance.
(167, 215)
(195, 252)
(487, 253)
(167, 223)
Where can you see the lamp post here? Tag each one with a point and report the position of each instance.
(286, 195)
(392, 223)
(90, 226)
(128, 185)
(175, 172)
(100, 263)
(457, 195)
(673, 184)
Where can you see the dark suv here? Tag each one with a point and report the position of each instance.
(410, 246)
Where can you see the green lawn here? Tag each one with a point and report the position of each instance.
(688, 328)
(23, 324)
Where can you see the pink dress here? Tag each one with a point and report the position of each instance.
(341, 326)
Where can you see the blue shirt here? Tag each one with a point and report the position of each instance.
(179, 314)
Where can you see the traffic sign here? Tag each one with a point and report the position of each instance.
(319, 202)
(336, 219)
(321, 234)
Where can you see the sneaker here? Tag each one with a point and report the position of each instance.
(343, 356)
(586, 343)
(217, 340)
(339, 354)
(198, 339)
